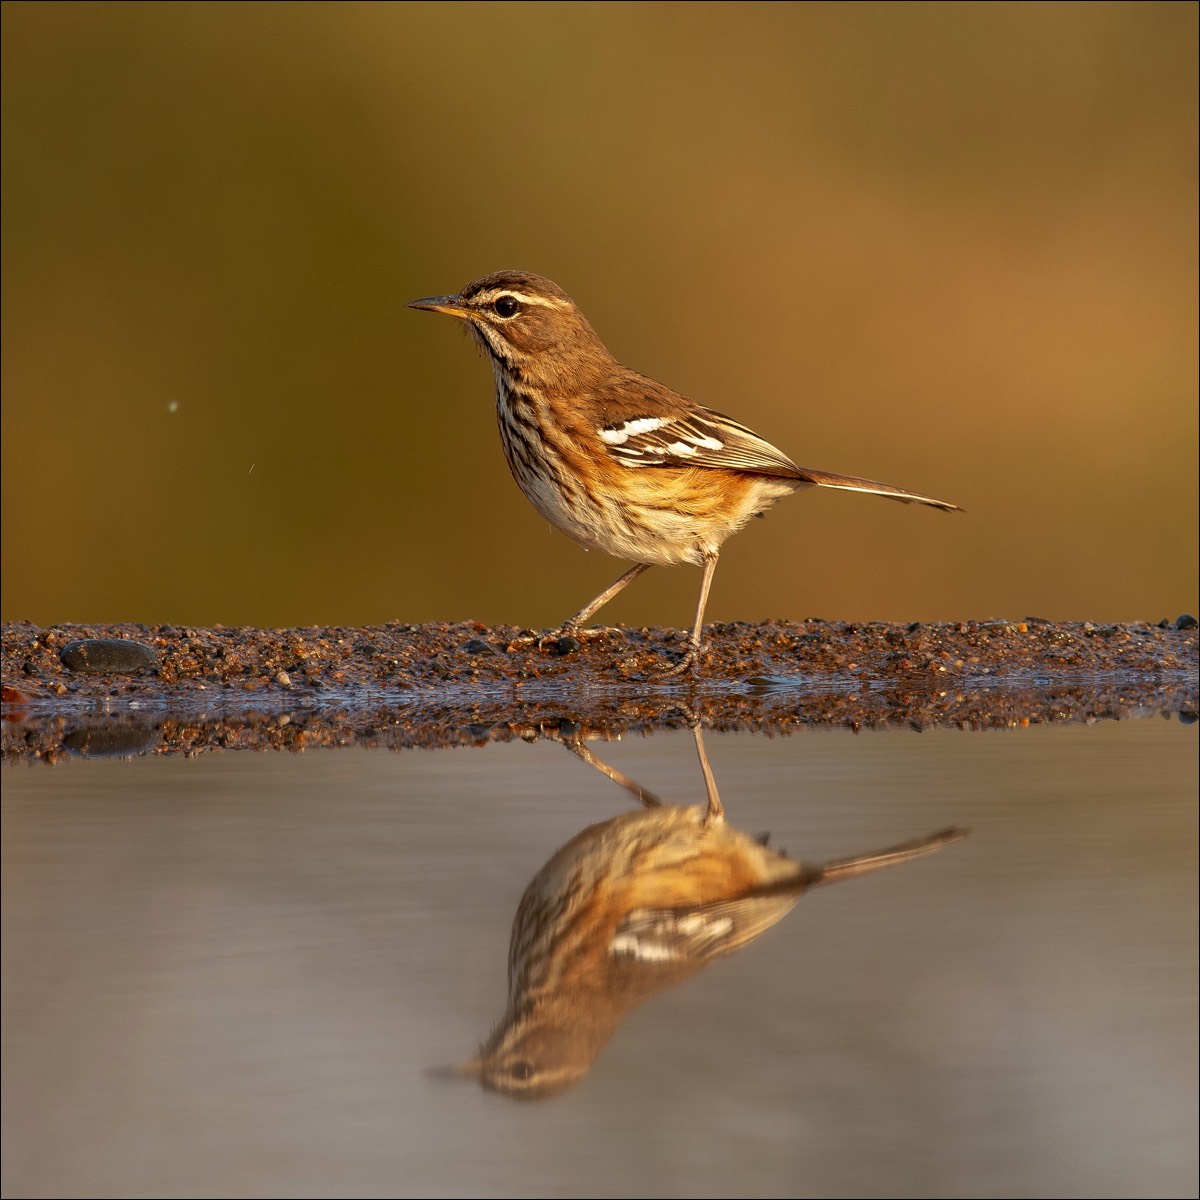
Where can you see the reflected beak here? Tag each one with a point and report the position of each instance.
(452, 306)
(467, 1070)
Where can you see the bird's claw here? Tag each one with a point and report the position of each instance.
(686, 665)
(557, 641)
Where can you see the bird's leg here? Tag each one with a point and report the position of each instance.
(572, 624)
(691, 657)
(715, 813)
(647, 797)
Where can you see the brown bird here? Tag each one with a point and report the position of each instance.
(616, 460)
(628, 908)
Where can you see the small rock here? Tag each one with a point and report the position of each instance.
(564, 645)
(759, 685)
(107, 656)
(282, 677)
(478, 646)
(1187, 621)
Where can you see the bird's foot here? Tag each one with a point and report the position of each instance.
(562, 641)
(687, 665)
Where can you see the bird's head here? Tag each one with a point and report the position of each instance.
(527, 325)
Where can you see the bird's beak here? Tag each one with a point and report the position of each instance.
(450, 305)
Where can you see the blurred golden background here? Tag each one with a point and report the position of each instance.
(952, 247)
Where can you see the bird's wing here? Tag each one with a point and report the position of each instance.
(659, 936)
(640, 423)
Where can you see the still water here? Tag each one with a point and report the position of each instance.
(232, 975)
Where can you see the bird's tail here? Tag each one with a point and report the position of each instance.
(850, 483)
(848, 868)
(808, 875)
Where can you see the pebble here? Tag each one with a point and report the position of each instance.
(1187, 621)
(107, 656)
(565, 645)
(478, 646)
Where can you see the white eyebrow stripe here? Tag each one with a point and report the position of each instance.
(524, 297)
(618, 435)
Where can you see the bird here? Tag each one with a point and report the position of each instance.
(628, 908)
(614, 459)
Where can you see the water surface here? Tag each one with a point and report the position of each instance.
(230, 975)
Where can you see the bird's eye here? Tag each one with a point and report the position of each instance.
(521, 1070)
(506, 306)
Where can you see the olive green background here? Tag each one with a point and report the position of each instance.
(952, 247)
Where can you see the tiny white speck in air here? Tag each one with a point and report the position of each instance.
(172, 406)
(252, 466)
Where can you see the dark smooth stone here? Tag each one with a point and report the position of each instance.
(1187, 621)
(107, 656)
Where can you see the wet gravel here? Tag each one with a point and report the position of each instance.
(166, 688)
(170, 662)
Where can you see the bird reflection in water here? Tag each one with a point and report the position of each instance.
(629, 908)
